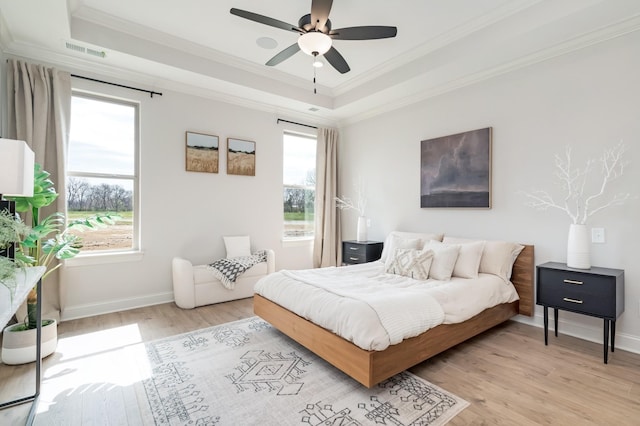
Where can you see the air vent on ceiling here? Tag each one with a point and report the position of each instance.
(85, 50)
(314, 109)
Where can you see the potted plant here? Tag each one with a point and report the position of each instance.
(47, 239)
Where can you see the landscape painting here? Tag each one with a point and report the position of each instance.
(241, 157)
(456, 170)
(202, 153)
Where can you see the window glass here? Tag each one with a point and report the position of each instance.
(299, 185)
(102, 173)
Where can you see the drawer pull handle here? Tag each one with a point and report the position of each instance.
(353, 248)
(353, 258)
(573, 282)
(567, 299)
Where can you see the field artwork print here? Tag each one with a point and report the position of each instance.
(241, 157)
(455, 170)
(202, 153)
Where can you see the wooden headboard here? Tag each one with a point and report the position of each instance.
(522, 279)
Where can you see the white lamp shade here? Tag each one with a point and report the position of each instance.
(314, 41)
(16, 168)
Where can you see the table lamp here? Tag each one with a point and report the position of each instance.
(16, 177)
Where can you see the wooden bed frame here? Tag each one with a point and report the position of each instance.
(372, 367)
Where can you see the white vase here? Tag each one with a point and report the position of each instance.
(19, 347)
(578, 246)
(361, 233)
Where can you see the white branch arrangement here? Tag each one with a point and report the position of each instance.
(345, 203)
(576, 202)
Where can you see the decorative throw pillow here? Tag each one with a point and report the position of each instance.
(237, 246)
(444, 259)
(410, 263)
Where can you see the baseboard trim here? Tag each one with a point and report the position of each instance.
(90, 310)
(626, 342)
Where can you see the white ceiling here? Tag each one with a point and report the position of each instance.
(197, 46)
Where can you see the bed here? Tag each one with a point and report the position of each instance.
(370, 367)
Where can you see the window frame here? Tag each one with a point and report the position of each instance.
(109, 255)
(306, 238)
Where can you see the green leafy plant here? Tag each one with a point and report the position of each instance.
(12, 229)
(49, 239)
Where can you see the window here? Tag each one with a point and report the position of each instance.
(299, 185)
(102, 170)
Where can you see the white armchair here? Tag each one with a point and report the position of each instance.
(195, 285)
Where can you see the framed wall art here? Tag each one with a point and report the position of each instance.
(202, 152)
(241, 157)
(455, 170)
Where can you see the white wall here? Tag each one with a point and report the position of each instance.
(588, 99)
(185, 213)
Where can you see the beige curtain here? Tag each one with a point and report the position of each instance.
(38, 110)
(327, 247)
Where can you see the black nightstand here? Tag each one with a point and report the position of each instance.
(354, 252)
(598, 292)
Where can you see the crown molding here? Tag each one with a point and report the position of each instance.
(75, 64)
(113, 23)
(506, 10)
(600, 35)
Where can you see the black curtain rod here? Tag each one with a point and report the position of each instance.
(150, 92)
(293, 122)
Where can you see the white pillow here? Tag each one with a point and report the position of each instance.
(394, 242)
(387, 249)
(497, 256)
(468, 262)
(237, 246)
(444, 259)
(410, 263)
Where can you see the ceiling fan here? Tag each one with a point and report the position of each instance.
(316, 34)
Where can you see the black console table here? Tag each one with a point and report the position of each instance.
(10, 301)
(598, 292)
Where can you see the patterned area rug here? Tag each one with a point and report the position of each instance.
(247, 373)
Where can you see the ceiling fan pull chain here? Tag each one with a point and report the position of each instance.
(314, 79)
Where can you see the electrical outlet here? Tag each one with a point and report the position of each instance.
(368, 223)
(597, 235)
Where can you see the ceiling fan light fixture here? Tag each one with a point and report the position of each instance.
(314, 41)
(317, 63)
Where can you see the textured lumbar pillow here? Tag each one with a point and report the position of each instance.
(410, 263)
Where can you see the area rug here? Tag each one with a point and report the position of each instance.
(248, 373)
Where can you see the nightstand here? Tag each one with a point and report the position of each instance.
(598, 292)
(354, 252)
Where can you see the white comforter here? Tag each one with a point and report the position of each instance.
(373, 309)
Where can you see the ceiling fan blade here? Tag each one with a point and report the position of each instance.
(320, 13)
(336, 60)
(364, 33)
(285, 54)
(265, 20)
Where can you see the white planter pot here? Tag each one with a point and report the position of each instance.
(361, 233)
(19, 347)
(578, 246)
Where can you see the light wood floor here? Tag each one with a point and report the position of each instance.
(507, 374)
